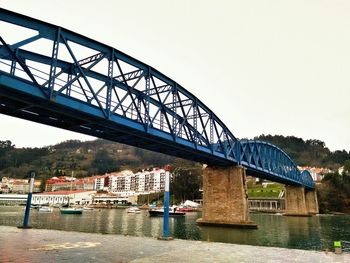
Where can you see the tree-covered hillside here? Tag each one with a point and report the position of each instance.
(84, 158)
(101, 156)
(309, 152)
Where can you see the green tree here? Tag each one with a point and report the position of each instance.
(334, 192)
(103, 163)
(43, 183)
(347, 167)
(6, 145)
(186, 180)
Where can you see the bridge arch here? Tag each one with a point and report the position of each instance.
(60, 78)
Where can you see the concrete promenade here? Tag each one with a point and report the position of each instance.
(37, 245)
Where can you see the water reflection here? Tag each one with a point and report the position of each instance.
(317, 232)
(110, 223)
(124, 224)
(156, 226)
(138, 224)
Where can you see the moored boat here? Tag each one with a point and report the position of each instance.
(184, 209)
(160, 212)
(188, 206)
(34, 206)
(45, 209)
(71, 210)
(67, 209)
(133, 210)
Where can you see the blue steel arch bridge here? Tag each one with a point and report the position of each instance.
(51, 75)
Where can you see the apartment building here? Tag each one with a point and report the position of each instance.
(127, 184)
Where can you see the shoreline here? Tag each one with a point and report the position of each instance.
(97, 206)
(56, 245)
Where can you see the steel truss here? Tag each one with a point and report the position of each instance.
(89, 87)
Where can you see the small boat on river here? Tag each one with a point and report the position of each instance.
(34, 206)
(45, 209)
(160, 212)
(67, 209)
(71, 210)
(134, 210)
(184, 209)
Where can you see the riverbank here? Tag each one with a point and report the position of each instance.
(38, 245)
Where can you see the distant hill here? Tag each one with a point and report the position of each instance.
(101, 156)
(84, 158)
(309, 152)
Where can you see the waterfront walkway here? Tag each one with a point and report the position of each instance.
(39, 245)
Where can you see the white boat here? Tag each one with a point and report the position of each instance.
(160, 212)
(133, 210)
(45, 209)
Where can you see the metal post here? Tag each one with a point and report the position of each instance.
(166, 207)
(29, 201)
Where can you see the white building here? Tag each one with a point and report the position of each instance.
(100, 183)
(316, 173)
(127, 184)
(77, 197)
(119, 183)
(13, 199)
(20, 186)
(109, 199)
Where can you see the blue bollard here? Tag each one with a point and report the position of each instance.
(29, 202)
(166, 208)
(166, 215)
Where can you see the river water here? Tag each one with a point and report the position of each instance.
(311, 233)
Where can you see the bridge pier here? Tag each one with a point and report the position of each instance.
(300, 202)
(311, 201)
(225, 200)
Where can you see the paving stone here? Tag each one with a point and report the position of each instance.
(39, 245)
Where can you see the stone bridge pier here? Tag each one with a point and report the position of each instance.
(225, 199)
(300, 201)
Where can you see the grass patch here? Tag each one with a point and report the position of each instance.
(271, 191)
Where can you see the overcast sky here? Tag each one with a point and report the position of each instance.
(264, 67)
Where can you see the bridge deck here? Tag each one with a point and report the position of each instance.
(85, 86)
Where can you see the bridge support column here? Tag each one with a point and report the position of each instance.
(225, 201)
(311, 202)
(295, 201)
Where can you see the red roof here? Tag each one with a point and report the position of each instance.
(65, 192)
(99, 176)
(105, 194)
(60, 183)
(20, 183)
(53, 181)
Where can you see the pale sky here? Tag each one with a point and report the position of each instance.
(264, 67)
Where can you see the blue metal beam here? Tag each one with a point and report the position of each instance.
(111, 95)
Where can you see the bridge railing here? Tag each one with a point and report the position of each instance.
(63, 67)
(266, 158)
(62, 63)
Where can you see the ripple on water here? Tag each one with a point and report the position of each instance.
(316, 233)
